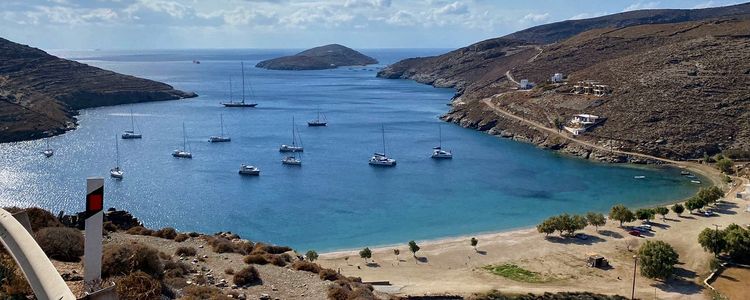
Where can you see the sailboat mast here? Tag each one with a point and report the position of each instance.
(117, 152)
(184, 138)
(440, 133)
(243, 81)
(294, 139)
(382, 128)
(230, 89)
(132, 120)
(221, 117)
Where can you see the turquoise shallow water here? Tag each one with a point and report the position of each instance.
(335, 200)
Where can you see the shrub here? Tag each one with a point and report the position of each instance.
(14, 284)
(222, 245)
(244, 247)
(125, 259)
(713, 241)
(258, 259)
(60, 243)
(271, 248)
(307, 266)
(229, 271)
(168, 233)
(246, 276)
(138, 285)
(181, 238)
(725, 165)
(328, 274)
(185, 251)
(176, 269)
(164, 256)
(194, 234)
(311, 255)
(110, 227)
(678, 209)
(38, 217)
(657, 259)
(278, 260)
(344, 290)
(140, 230)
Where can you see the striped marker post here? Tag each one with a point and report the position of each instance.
(92, 251)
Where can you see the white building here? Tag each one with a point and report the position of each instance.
(557, 78)
(524, 84)
(581, 123)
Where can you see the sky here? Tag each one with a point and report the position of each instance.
(194, 24)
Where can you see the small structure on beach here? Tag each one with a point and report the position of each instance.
(595, 260)
(580, 123)
(591, 87)
(557, 78)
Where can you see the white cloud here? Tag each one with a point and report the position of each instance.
(588, 15)
(642, 5)
(172, 8)
(455, 8)
(535, 18)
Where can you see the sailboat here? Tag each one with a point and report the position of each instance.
(293, 147)
(438, 152)
(116, 172)
(48, 151)
(182, 153)
(130, 134)
(318, 122)
(220, 138)
(380, 159)
(242, 103)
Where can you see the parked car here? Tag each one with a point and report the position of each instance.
(708, 213)
(634, 233)
(645, 227)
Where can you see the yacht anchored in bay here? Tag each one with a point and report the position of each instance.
(380, 159)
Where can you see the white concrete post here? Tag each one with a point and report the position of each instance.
(92, 253)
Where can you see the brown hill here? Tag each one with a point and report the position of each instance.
(678, 90)
(319, 58)
(40, 93)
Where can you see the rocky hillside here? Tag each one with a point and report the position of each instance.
(40, 93)
(319, 58)
(678, 90)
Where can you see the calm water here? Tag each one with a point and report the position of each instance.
(335, 200)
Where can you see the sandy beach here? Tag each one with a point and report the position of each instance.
(452, 266)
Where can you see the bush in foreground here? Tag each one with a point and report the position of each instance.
(257, 259)
(344, 290)
(194, 292)
(140, 230)
(38, 217)
(168, 233)
(121, 260)
(138, 285)
(185, 251)
(246, 276)
(61, 243)
(307, 266)
(181, 237)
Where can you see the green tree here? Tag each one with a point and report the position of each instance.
(678, 208)
(662, 211)
(657, 259)
(365, 254)
(547, 227)
(413, 247)
(738, 243)
(725, 165)
(694, 203)
(311, 255)
(596, 219)
(712, 240)
(621, 213)
(577, 223)
(474, 243)
(644, 214)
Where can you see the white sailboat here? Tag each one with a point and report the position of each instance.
(380, 159)
(130, 134)
(293, 147)
(48, 151)
(249, 170)
(438, 152)
(241, 103)
(182, 153)
(116, 172)
(220, 138)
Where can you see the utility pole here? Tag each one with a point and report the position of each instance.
(635, 265)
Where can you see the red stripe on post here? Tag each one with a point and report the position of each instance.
(95, 201)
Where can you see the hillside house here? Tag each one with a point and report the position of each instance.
(524, 84)
(557, 78)
(590, 87)
(580, 123)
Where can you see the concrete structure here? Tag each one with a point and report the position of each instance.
(580, 123)
(590, 87)
(524, 84)
(36, 267)
(92, 251)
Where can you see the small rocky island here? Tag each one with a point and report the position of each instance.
(319, 58)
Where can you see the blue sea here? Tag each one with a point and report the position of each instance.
(335, 200)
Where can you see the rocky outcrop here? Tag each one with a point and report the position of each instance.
(40, 93)
(679, 90)
(319, 58)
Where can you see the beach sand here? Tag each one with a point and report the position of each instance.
(452, 266)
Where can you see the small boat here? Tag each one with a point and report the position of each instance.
(291, 160)
(293, 147)
(182, 153)
(197, 62)
(318, 122)
(242, 103)
(220, 138)
(116, 172)
(249, 170)
(380, 159)
(684, 173)
(48, 151)
(696, 181)
(130, 134)
(438, 152)
(639, 177)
